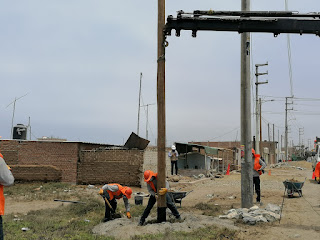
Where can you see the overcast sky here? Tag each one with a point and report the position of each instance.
(79, 62)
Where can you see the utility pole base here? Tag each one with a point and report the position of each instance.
(161, 214)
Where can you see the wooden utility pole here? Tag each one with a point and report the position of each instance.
(161, 217)
(246, 162)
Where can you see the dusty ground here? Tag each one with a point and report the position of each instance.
(300, 216)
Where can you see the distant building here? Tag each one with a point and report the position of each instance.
(52, 139)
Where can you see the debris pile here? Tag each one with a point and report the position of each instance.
(286, 165)
(254, 215)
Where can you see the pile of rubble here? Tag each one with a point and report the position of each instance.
(254, 215)
(284, 164)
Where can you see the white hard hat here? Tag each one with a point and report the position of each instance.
(173, 147)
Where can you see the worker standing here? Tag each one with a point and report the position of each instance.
(151, 179)
(173, 155)
(258, 166)
(317, 171)
(111, 192)
(6, 179)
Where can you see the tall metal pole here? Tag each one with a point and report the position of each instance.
(14, 109)
(246, 162)
(139, 105)
(286, 132)
(161, 203)
(260, 120)
(147, 121)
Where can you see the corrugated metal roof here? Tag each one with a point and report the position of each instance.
(187, 147)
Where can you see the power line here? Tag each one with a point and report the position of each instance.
(225, 134)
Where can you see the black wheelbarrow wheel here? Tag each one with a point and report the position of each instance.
(290, 193)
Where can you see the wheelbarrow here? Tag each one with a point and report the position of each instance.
(292, 187)
(178, 196)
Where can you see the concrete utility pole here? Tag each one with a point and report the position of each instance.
(286, 130)
(161, 180)
(300, 141)
(246, 162)
(260, 120)
(257, 147)
(147, 118)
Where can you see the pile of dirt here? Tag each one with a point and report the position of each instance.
(124, 228)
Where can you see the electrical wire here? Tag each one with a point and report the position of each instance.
(225, 134)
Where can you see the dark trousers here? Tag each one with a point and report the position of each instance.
(1, 228)
(113, 204)
(256, 184)
(152, 201)
(174, 164)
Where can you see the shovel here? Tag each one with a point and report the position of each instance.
(113, 213)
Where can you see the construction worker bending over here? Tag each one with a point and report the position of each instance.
(258, 166)
(111, 192)
(6, 179)
(151, 179)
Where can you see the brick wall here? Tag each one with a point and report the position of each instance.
(110, 166)
(36, 173)
(63, 155)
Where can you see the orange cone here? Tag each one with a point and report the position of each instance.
(269, 173)
(228, 170)
(313, 176)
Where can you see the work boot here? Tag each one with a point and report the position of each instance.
(141, 223)
(105, 220)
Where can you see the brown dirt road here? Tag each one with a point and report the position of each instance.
(300, 215)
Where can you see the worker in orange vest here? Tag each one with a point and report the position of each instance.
(317, 172)
(111, 192)
(151, 179)
(258, 166)
(6, 179)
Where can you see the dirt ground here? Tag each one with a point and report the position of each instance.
(300, 215)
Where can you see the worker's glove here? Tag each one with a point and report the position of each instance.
(101, 191)
(128, 215)
(163, 191)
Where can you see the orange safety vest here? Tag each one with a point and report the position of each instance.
(256, 165)
(1, 201)
(152, 186)
(317, 170)
(151, 183)
(118, 193)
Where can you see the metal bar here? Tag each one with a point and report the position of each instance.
(240, 25)
(252, 13)
(59, 200)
